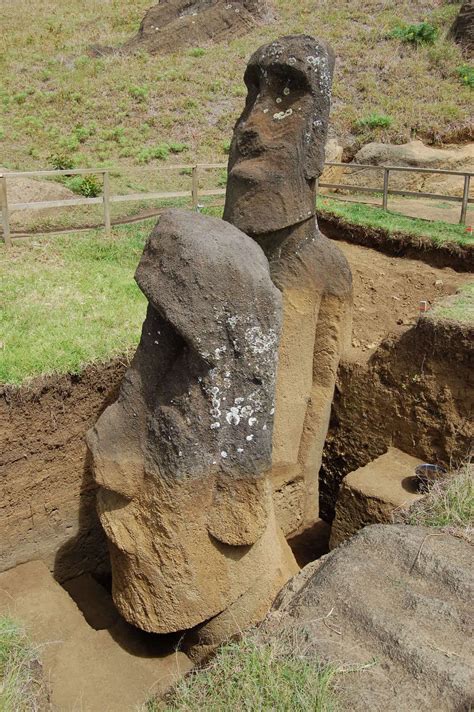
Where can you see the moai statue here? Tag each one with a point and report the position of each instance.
(276, 156)
(181, 458)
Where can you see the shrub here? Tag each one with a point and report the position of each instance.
(466, 75)
(138, 93)
(61, 161)
(197, 52)
(159, 152)
(88, 186)
(421, 33)
(226, 146)
(374, 121)
(177, 147)
(222, 179)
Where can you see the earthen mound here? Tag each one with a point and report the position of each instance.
(392, 608)
(173, 24)
(463, 27)
(28, 190)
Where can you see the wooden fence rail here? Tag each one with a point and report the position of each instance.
(195, 192)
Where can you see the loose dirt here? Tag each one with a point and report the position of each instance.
(388, 292)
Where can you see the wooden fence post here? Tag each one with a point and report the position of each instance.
(386, 174)
(465, 199)
(195, 187)
(106, 199)
(5, 217)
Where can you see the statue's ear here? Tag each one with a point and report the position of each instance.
(239, 511)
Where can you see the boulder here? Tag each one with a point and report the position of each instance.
(462, 29)
(176, 24)
(392, 608)
(413, 154)
(372, 494)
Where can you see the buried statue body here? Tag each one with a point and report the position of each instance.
(211, 453)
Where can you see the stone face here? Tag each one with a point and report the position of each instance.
(181, 457)
(393, 608)
(277, 149)
(463, 27)
(276, 154)
(372, 494)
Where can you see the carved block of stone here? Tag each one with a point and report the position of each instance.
(181, 457)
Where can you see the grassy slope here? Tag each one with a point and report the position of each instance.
(459, 307)
(50, 86)
(70, 300)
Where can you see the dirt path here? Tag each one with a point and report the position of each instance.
(388, 292)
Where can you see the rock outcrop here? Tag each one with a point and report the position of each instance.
(413, 154)
(462, 29)
(277, 152)
(181, 457)
(175, 24)
(392, 608)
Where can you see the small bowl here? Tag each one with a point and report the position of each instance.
(427, 474)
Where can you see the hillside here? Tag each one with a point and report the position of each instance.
(120, 109)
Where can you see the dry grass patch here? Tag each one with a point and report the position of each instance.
(21, 686)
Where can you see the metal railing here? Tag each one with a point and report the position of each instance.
(196, 192)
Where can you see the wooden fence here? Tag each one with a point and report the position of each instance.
(195, 192)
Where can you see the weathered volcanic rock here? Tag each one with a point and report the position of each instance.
(394, 604)
(181, 456)
(174, 24)
(277, 153)
(463, 27)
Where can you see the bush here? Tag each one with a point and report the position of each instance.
(196, 52)
(177, 147)
(138, 93)
(160, 152)
(226, 146)
(466, 75)
(421, 33)
(61, 161)
(374, 121)
(88, 186)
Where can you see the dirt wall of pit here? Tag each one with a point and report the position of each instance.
(47, 496)
(415, 393)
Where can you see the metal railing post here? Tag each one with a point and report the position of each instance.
(195, 187)
(386, 175)
(5, 216)
(465, 199)
(106, 199)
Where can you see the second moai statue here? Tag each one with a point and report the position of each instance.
(276, 156)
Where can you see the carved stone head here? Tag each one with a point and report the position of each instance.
(277, 149)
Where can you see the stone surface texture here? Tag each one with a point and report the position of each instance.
(277, 152)
(181, 457)
(462, 29)
(175, 24)
(416, 155)
(393, 608)
(372, 494)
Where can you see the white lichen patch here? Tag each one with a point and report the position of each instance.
(280, 115)
(286, 91)
(260, 342)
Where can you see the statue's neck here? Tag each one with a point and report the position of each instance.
(276, 243)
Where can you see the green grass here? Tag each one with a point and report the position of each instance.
(459, 307)
(70, 300)
(20, 686)
(256, 675)
(395, 223)
(449, 503)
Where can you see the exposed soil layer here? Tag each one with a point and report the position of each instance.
(411, 391)
(449, 254)
(47, 503)
(414, 393)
